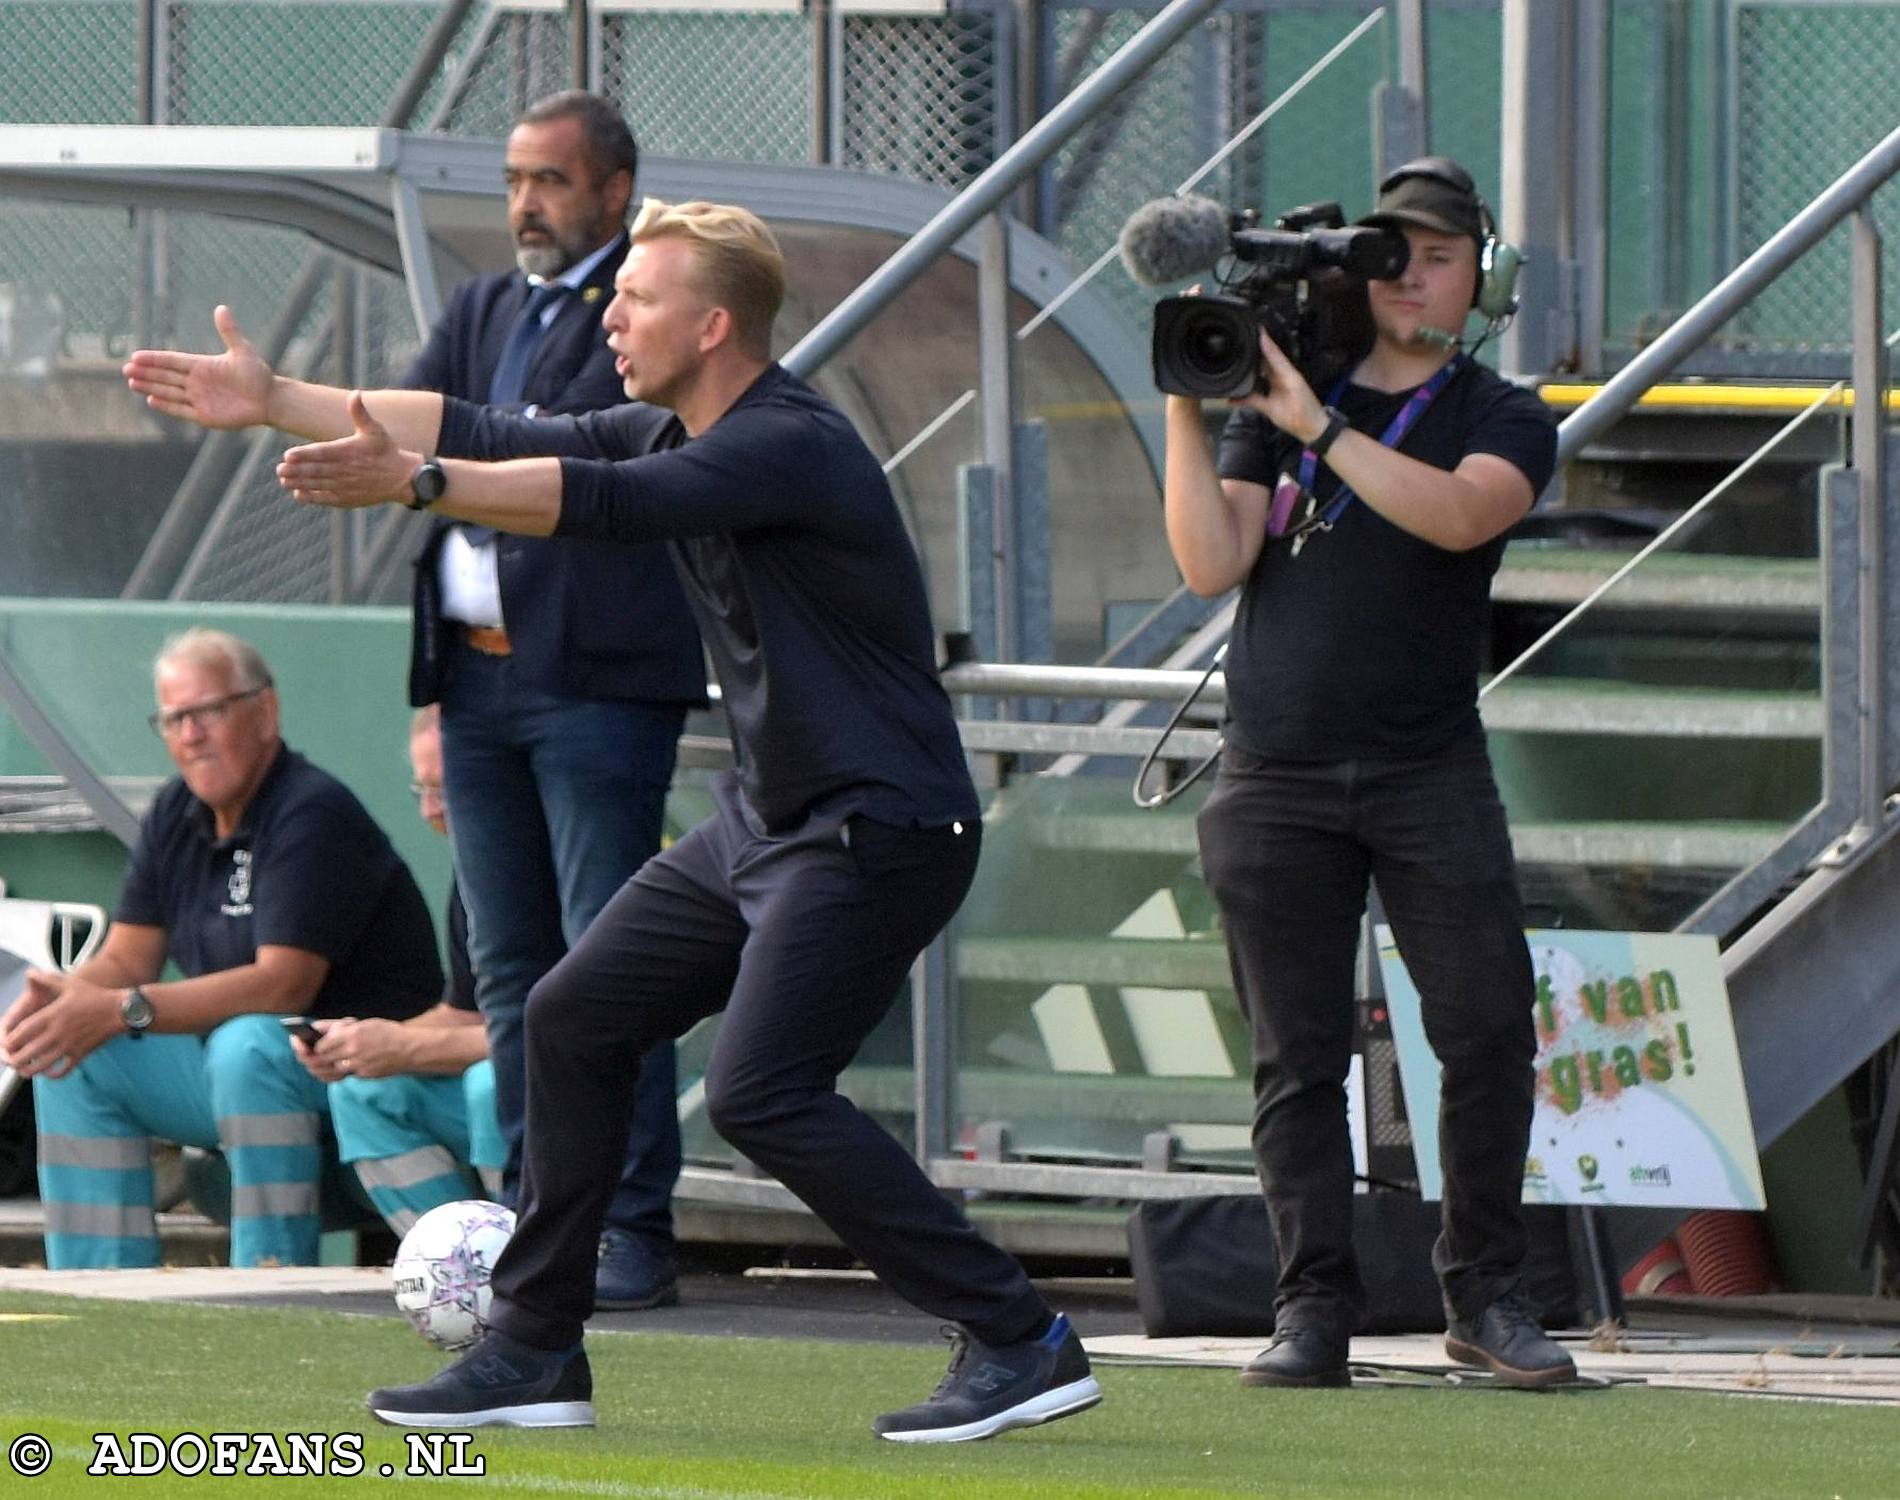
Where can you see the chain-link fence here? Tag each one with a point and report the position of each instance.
(1813, 94)
(1191, 103)
(69, 61)
(513, 58)
(1726, 117)
(921, 95)
(1725, 121)
(237, 62)
(723, 84)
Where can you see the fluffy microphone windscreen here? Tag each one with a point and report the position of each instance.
(1173, 238)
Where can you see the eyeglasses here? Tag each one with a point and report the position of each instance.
(168, 724)
(422, 789)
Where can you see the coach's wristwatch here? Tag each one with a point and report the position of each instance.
(427, 485)
(137, 1013)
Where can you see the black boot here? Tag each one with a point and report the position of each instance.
(1301, 1354)
(1506, 1340)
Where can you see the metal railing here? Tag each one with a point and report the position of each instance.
(1861, 742)
(1860, 748)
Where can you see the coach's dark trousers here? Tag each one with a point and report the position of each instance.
(805, 940)
(1288, 849)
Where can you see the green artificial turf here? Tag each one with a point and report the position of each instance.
(695, 1418)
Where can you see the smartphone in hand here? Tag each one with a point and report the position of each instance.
(302, 1030)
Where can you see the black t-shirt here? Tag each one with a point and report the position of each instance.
(808, 592)
(1368, 642)
(307, 867)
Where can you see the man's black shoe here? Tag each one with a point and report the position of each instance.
(631, 1276)
(990, 1389)
(1506, 1340)
(1300, 1357)
(498, 1383)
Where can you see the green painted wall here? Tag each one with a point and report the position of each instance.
(1813, 1182)
(341, 673)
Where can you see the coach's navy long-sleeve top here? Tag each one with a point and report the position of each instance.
(806, 587)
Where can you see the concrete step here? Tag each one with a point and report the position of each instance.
(1670, 846)
(1535, 573)
(184, 1238)
(1573, 705)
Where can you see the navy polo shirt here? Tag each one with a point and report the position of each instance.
(808, 592)
(307, 867)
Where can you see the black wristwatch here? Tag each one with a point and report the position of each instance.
(428, 484)
(1335, 424)
(137, 1013)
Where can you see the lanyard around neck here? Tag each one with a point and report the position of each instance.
(1393, 435)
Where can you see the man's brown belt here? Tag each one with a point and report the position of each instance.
(491, 640)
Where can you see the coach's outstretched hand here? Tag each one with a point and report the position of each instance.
(227, 390)
(365, 468)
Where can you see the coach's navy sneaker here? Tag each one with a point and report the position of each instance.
(1506, 1340)
(631, 1276)
(988, 1390)
(498, 1383)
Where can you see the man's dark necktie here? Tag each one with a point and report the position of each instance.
(511, 374)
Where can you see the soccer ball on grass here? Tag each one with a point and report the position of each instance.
(442, 1269)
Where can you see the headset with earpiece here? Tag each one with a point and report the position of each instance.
(1498, 260)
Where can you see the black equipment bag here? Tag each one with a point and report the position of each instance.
(1207, 1265)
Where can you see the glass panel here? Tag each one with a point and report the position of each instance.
(1096, 1006)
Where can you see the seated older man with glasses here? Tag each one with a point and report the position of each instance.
(275, 894)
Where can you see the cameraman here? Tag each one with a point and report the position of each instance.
(1354, 750)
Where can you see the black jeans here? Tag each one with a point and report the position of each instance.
(804, 940)
(1288, 849)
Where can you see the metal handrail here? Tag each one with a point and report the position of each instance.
(1232, 144)
(1013, 680)
(1662, 538)
(1193, 179)
(1001, 178)
(1727, 297)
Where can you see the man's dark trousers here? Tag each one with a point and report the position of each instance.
(572, 799)
(1288, 848)
(555, 757)
(805, 940)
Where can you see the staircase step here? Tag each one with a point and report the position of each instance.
(1585, 705)
(1537, 574)
(1695, 846)
(1709, 845)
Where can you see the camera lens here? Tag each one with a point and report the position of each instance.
(1205, 346)
(1213, 347)
(1209, 346)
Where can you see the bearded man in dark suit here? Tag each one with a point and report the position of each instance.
(564, 669)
